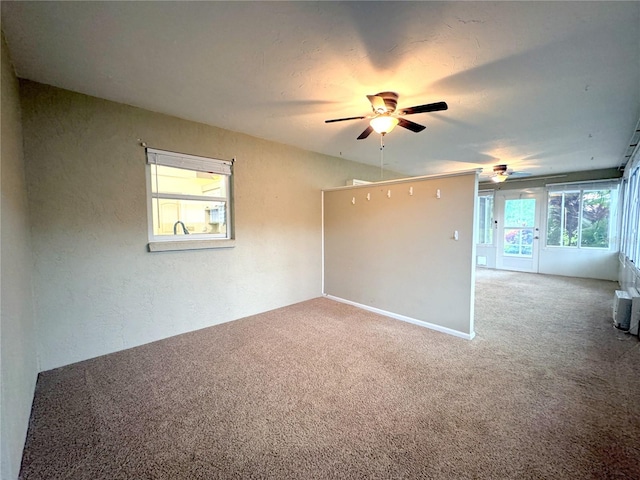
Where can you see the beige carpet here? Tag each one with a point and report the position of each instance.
(547, 389)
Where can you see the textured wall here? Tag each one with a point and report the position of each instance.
(98, 289)
(398, 253)
(18, 344)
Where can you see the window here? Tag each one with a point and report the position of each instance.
(519, 222)
(189, 201)
(631, 218)
(581, 215)
(484, 219)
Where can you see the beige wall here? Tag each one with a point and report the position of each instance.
(18, 344)
(398, 254)
(98, 289)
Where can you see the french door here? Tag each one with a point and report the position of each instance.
(518, 230)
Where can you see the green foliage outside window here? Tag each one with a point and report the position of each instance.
(579, 218)
(519, 221)
(595, 219)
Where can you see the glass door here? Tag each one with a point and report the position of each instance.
(518, 228)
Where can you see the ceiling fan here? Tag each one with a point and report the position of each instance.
(501, 173)
(385, 118)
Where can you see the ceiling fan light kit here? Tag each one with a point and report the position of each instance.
(499, 178)
(383, 124)
(385, 118)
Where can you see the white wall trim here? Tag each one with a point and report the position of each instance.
(322, 241)
(477, 171)
(175, 245)
(396, 316)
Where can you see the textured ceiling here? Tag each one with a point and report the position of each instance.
(547, 87)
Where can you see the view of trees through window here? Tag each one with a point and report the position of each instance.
(519, 221)
(579, 219)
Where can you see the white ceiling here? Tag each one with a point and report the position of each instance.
(547, 87)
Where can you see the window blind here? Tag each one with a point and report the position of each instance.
(188, 162)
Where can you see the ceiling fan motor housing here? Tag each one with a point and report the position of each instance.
(500, 169)
(390, 100)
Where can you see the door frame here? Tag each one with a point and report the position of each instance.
(506, 262)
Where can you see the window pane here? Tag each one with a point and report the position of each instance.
(520, 212)
(624, 186)
(554, 219)
(187, 182)
(580, 219)
(518, 242)
(172, 217)
(563, 219)
(596, 206)
(633, 228)
(485, 218)
(512, 242)
(571, 219)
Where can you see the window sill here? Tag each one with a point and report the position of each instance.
(171, 246)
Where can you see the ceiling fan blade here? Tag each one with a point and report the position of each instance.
(366, 133)
(343, 119)
(429, 107)
(519, 174)
(408, 124)
(377, 103)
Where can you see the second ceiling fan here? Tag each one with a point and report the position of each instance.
(501, 173)
(385, 117)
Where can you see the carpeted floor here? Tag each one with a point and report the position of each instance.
(547, 389)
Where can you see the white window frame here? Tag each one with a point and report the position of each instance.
(159, 243)
(581, 187)
(492, 194)
(631, 220)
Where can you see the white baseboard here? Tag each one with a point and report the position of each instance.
(432, 326)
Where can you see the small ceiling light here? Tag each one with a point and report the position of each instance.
(383, 124)
(498, 178)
